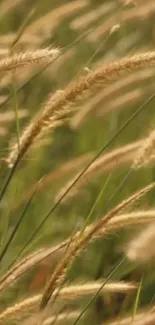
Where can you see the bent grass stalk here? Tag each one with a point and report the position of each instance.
(58, 105)
(76, 248)
(70, 292)
(131, 118)
(21, 59)
(25, 265)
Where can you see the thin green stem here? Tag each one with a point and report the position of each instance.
(121, 129)
(98, 291)
(135, 307)
(16, 109)
(95, 203)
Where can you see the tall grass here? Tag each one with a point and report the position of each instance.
(77, 162)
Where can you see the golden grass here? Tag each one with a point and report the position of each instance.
(57, 106)
(120, 221)
(114, 89)
(70, 292)
(21, 59)
(60, 272)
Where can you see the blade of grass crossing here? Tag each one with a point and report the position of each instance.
(121, 129)
(18, 223)
(98, 291)
(95, 203)
(135, 307)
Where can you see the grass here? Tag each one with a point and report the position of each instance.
(78, 169)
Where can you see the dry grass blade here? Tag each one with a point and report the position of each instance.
(57, 107)
(77, 246)
(123, 220)
(70, 292)
(21, 59)
(110, 92)
(27, 263)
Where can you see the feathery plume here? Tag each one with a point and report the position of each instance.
(78, 245)
(110, 92)
(21, 59)
(69, 292)
(25, 265)
(58, 105)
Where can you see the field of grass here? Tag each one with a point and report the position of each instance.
(77, 139)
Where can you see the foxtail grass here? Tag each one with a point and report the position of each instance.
(25, 265)
(21, 59)
(58, 107)
(70, 292)
(76, 248)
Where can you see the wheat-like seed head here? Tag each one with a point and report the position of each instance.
(81, 242)
(25, 265)
(21, 59)
(70, 292)
(58, 106)
(110, 92)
